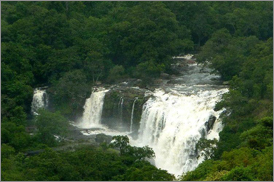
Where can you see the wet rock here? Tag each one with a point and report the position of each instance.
(158, 81)
(226, 83)
(190, 61)
(117, 108)
(203, 133)
(182, 65)
(101, 138)
(209, 124)
(164, 75)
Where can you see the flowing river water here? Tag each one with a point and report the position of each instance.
(174, 118)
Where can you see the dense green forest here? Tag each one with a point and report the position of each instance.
(71, 46)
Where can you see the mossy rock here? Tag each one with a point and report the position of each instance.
(118, 105)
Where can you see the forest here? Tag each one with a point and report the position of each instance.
(72, 46)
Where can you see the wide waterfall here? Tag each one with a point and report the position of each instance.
(93, 109)
(39, 100)
(176, 117)
(172, 124)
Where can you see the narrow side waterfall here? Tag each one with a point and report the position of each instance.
(132, 115)
(93, 109)
(173, 123)
(121, 107)
(40, 100)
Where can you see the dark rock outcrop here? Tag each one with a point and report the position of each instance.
(101, 138)
(209, 124)
(117, 108)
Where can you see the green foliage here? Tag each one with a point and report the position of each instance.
(148, 70)
(141, 153)
(85, 163)
(136, 153)
(70, 92)
(239, 174)
(200, 172)
(259, 136)
(15, 136)
(6, 151)
(116, 73)
(48, 125)
(148, 34)
(264, 164)
(122, 143)
(207, 146)
(144, 172)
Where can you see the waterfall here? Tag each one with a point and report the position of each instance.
(40, 100)
(93, 109)
(132, 114)
(171, 123)
(121, 109)
(175, 118)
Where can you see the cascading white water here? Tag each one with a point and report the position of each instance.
(93, 109)
(120, 109)
(172, 124)
(39, 100)
(119, 104)
(132, 115)
(174, 118)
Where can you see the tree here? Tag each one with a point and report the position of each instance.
(121, 142)
(70, 92)
(95, 65)
(149, 32)
(260, 136)
(148, 70)
(142, 172)
(239, 174)
(116, 73)
(137, 153)
(50, 125)
(141, 153)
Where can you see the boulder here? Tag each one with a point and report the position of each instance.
(98, 83)
(101, 138)
(226, 83)
(164, 75)
(158, 81)
(209, 124)
(190, 61)
(117, 108)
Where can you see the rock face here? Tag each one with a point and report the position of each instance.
(165, 75)
(118, 108)
(226, 83)
(101, 138)
(209, 124)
